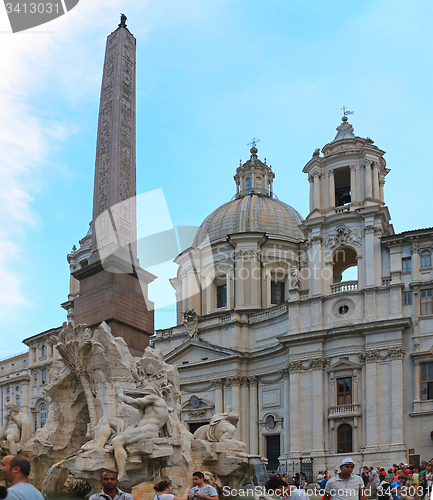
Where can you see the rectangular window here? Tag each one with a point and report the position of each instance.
(342, 186)
(34, 354)
(35, 421)
(406, 264)
(52, 349)
(407, 298)
(344, 391)
(8, 390)
(426, 301)
(277, 292)
(426, 380)
(222, 295)
(35, 378)
(425, 259)
(44, 376)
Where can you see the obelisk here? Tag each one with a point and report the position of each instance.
(113, 287)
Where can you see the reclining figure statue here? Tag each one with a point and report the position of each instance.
(221, 428)
(154, 416)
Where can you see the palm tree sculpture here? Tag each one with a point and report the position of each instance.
(76, 347)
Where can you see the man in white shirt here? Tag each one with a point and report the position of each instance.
(201, 490)
(15, 469)
(110, 490)
(345, 485)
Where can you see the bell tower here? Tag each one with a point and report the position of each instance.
(347, 211)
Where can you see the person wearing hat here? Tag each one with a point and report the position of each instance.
(345, 485)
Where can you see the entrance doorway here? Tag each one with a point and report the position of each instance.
(273, 451)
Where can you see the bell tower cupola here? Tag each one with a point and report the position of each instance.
(349, 174)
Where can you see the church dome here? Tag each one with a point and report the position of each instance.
(251, 213)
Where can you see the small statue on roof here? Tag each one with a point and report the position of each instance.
(123, 19)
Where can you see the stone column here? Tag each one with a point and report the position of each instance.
(255, 277)
(317, 194)
(286, 412)
(241, 273)
(236, 402)
(219, 396)
(244, 410)
(417, 382)
(295, 445)
(331, 188)
(397, 354)
(353, 184)
(371, 400)
(368, 180)
(318, 406)
(375, 172)
(356, 399)
(381, 193)
(369, 261)
(315, 266)
(254, 417)
(415, 261)
(311, 181)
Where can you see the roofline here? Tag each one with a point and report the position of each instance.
(34, 337)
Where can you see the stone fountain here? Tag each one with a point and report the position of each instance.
(111, 410)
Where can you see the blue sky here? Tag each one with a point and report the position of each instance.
(211, 74)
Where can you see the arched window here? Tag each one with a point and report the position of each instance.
(248, 185)
(345, 265)
(344, 438)
(425, 258)
(43, 413)
(17, 399)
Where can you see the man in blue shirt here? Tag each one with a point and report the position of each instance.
(396, 486)
(16, 469)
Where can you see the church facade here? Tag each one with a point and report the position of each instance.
(318, 363)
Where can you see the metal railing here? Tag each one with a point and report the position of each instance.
(291, 468)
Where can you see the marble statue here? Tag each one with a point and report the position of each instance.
(222, 426)
(295, 278)
(15, 430)
(154, 416)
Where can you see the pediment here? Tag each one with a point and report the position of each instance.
(343, 364)
(194, 351)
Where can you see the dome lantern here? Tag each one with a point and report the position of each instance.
(254, 176)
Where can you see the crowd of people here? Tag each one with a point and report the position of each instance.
(399, 482)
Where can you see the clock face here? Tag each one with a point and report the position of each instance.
(195, 402)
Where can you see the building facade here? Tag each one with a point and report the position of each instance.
(318, 330)
(14, 383)
(41, 355)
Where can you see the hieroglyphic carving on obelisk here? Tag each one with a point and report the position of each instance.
(114, 204)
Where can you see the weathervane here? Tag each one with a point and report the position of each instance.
(254, 142)
(345, 113)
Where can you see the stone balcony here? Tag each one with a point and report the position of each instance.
(344, 286)
(352, 410)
